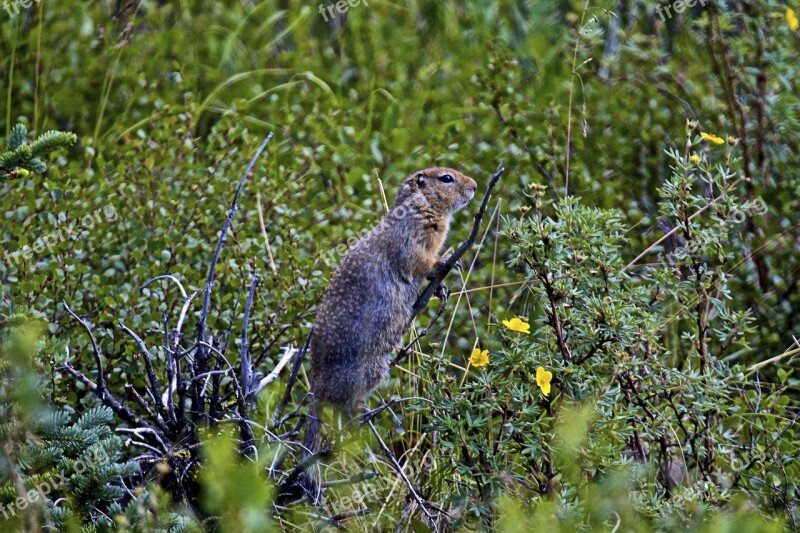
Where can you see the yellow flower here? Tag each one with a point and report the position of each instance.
(710, 137)
(543, 378)
(515, 324)
(791, 19)
(694, 159)
(479, 358)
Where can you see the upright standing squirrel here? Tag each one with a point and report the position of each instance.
(368, 305)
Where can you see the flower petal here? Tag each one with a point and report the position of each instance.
(479, 358)
(710, 137)
(791, 19)
(517, 324)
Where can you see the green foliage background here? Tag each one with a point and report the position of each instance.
(170, 100)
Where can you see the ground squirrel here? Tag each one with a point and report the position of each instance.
(367, 308)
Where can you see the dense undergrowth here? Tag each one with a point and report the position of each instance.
(635, 391)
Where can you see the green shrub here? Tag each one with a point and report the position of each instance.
(677, 363)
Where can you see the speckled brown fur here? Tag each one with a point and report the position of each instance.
(368, 304)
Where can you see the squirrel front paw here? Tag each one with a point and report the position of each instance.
(441, 266)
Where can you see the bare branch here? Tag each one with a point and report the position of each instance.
(155, 390)
(98, 362)
(272, 376)
(287, 394)
(244, 357)
(169, 277)
(201, 357)
(106, 397)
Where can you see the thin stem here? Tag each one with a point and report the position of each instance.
(571, 93)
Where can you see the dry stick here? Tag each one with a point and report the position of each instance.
(769, 361)
(287, 394)
(399, 469)
(144, 405)
(248, 438)
(96, 350)
(494, 265)
(296, 414)
(167, 398)
(106, 397)
(244, 357)
(272, 376)
(177, 381)
(223, 344)
(173, 373)
(99, 387)
(214, 399)
(201, 357)
(264, 233)
(407, 455)
(301, 467)
(405, 350)
(155, 391)
(169, 277)
(266, 349)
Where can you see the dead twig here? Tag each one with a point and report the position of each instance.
(287, 395)
(201, 356)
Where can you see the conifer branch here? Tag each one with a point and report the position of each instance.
(21, 158)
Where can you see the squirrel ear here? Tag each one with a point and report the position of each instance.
(421, 181)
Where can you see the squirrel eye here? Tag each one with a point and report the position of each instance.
(446, 178)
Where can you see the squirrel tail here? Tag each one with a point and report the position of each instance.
(312, 440)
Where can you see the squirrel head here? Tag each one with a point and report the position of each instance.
(441, 190)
